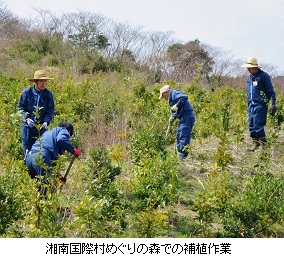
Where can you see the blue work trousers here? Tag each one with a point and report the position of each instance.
(183, 134)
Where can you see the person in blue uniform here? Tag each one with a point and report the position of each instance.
(46, 150)
(181, 109)
(35, 100)
(260, 93)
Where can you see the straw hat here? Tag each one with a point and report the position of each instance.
(251, 63)
(164, 89)
(39, 75)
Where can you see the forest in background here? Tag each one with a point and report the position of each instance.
(86, 43)
(128, 181)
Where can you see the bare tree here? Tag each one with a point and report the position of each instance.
(227, 70)
(122, 37)
(10, 25)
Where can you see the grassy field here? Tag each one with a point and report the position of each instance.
(129, 181)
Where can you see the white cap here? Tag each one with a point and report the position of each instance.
(164, 89)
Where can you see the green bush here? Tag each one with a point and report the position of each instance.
(258, 207)
(102, 209)
(155, 182)
(12, 190)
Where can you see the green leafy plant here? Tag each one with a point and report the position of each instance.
(258, 207)
(155, 184)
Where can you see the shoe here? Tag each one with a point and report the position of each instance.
(262, 141)
(181, 156)
(256, 145)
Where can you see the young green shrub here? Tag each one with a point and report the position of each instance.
(149, 223)
(258, 207)
(10, 123)
(155, 182)
(220, 111)
(43, 219)
(99, 217)
(146, 143)
(223, 155)
(101, 213)
(275, 120)
(11, 202)
(101, 165)
(213, 201)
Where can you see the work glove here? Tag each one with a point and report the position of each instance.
(174, 108)
(30, 123)
(273, 109)
(171, 120)
(44, 126)
(77, 152)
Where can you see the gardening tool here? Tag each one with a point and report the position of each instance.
(169, 125)
(168, 129)
(64, 178)
(69, 167)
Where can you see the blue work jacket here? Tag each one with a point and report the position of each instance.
(43, 100)
(53, 143)
(260, 89)
(180, 99)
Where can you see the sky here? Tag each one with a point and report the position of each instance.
(244, 28)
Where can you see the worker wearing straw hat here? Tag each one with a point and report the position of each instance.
(260, 93)
(36, 105)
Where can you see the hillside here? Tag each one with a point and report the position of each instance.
(128, 181)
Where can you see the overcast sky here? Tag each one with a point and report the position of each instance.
(243, 27)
